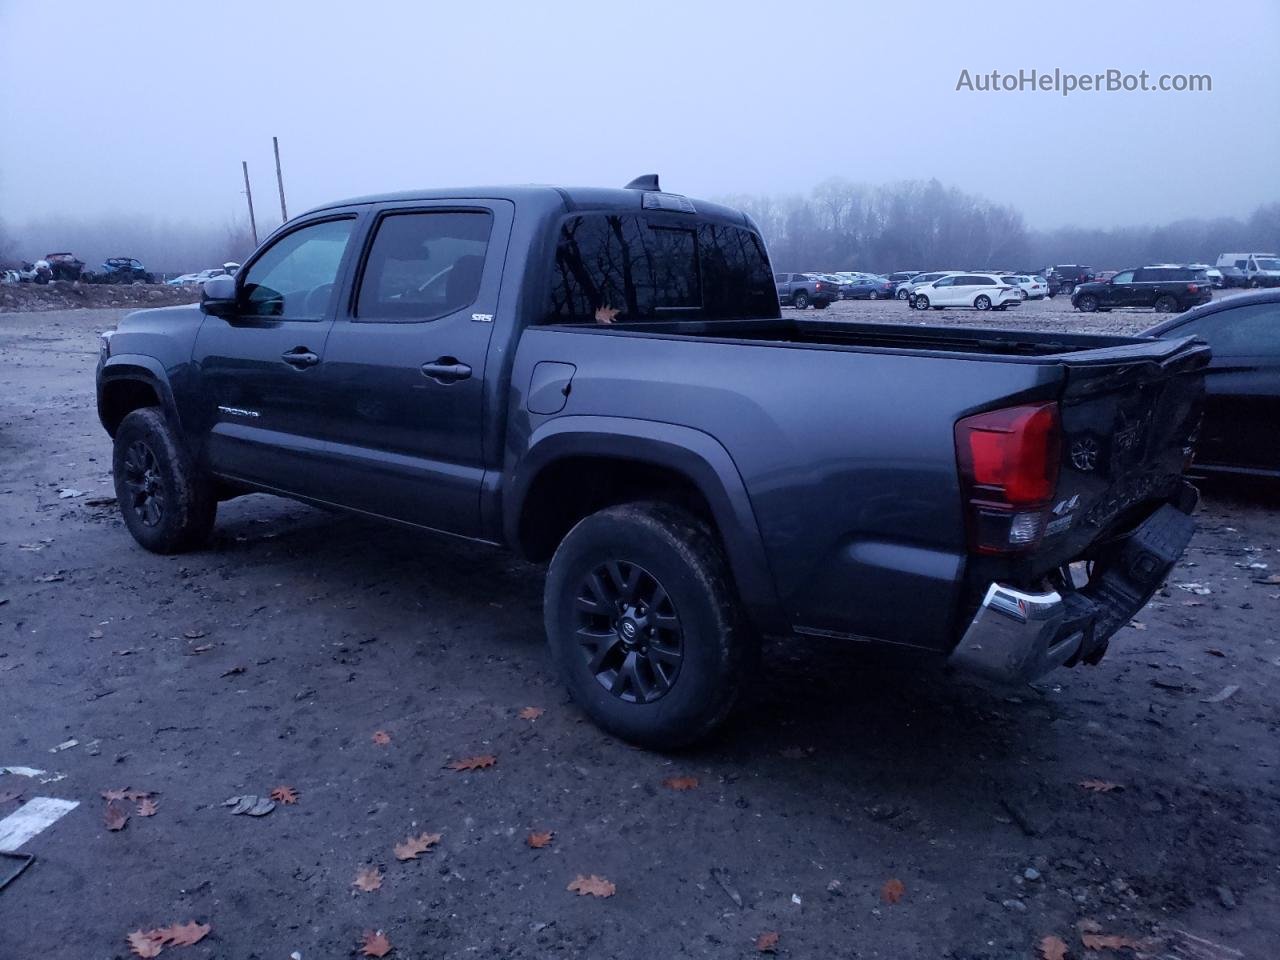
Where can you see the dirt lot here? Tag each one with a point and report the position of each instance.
(275, 655)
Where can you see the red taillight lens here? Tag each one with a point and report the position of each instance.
(1192, 288)
(1009, 462)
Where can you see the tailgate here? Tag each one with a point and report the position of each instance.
(1129, 418)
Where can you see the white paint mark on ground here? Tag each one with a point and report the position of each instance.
(30, 818)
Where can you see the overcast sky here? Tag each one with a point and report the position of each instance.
(149, 108)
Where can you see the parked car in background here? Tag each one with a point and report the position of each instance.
(1167, 289)
(1232, 276)
(1101, 275)
(1259, 269)
(1030, 288)
(899, 279)
(981, 291)
(1065, 277)
(188, 279)
(1240, 433)
(801, 290)
(907, 291)
(868, 288)
(1213, 273)
(64, 266)
(10, 276)
(121, 270)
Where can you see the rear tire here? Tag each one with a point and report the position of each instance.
(800, 300)
(874, 295)
(1166, 304)
(168, 505)
(644, 624)
(903, 294)
(982, 302)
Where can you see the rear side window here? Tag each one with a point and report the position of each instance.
(622, 268)
(423, 266)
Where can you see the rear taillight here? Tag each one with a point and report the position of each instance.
(1009, 462)
(1192, 288)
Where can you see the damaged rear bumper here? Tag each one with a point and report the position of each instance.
(1018, 635)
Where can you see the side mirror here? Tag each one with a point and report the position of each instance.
(218, 297)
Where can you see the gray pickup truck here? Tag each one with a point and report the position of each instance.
(602, 379)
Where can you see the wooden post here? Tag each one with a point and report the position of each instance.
(253, 224)
(284, 214)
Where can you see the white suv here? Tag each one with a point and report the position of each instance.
(981, 291)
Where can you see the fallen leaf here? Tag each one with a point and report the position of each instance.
(375, 944)
(413, 847)
(680, 783)
(1274, 578)
(381, 737)
(142, 944)
(250, 805)
(539, 840)
(1053, 948)
(592, 886)
(1097, 941)
(767, 942)
(284, 794)
(892, 890)
(368, 879)
(1137, 624)
(95, 634)
(147, 807)
(474, 763)
(181, 934)
(531, 713)
(1215, 652)
(193, 634)
(115, 817)
(1100, 786)
(125, 793)
(202, 648)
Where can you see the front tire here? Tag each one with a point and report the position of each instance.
(874, 295)
(644, 624)
(168, 505)
(921, 302)
(1088, 303)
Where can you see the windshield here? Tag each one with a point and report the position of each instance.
(1266, 263)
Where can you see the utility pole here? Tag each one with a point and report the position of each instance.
(253, 224)
(284, 214)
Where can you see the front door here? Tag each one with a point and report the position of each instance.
(404, 370)
(259, 370)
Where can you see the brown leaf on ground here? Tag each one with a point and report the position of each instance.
(531, 713)
(115, 817)
(474, 763)
(1100, 786)
(767, 942)
(681, 783)
(1110, 941)
(592, 886)
(146, 807)
(539, 840)
(367, 879)
(181, 934)
(892, 890)
(284, 794)
(1053, 948)
(143, 944)
(1215, 652)
(125, 793)
(1088, 925)
(381, 737)
(413, 847)
(374, 944)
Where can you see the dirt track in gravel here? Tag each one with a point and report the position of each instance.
(837, 775)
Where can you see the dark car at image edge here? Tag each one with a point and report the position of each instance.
(602, 380)
(1165, 289)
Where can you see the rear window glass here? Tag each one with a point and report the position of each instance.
(622, 268)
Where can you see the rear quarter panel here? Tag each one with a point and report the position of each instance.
(848, 458)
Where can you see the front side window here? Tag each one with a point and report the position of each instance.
(294, 279)
(620, 268)
(423, 266)
(1125, 276)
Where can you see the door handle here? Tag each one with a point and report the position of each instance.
(300, 357)
(446, 370)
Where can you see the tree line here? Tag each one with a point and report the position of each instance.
(842, 225)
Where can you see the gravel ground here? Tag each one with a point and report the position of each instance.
(274, 656)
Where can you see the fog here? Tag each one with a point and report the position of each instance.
(142, 113)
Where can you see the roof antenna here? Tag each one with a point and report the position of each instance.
(646, 181)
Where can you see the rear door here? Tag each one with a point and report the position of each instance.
(403, 384)
(1241, 426)
(259, 371)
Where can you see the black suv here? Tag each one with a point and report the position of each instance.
(1167, 289)
(1065, 277)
